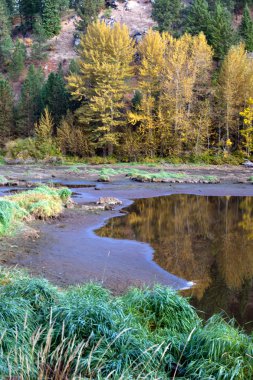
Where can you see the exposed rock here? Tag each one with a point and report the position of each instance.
(70, 204)
(109, 201)
(248, 164)
(93, 207)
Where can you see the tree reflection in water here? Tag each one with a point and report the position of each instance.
(208, 240)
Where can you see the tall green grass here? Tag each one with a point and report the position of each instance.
(41, 203)
(86, 333)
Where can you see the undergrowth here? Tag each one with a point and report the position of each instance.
(41, 203)
(86, 333)
(206, 158)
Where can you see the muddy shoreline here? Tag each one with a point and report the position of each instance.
(69, 252)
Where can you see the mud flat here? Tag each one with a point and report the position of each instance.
(68, 251)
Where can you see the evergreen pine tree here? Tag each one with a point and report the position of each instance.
(11, 5)
(221, 33)
(5, 29)
(167, 14)
(39, 47)
(4, 20)
(229, 4)
(18, 60)
(55, 96)
(30, 105)
(246, 29)
(28, 9)
(6, 109)
(51, 18)
(88, 11)
(198, 19)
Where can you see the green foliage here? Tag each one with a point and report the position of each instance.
(198, 18)
(55, 96)
(161, 310)
(40, 203)
(30, 104)
(39, 47)
(10, 213)
(50, 18)
(28, 9)
(31, 148)
(222, 35)
(5, 25)
(162, 176)
(167, 14)
(22, 148)
(17, 63)
(149, 333)
(215, 21)
(97, 160)
(218, 351)
(88, 11)
(6, 44)
(6, 109)
(246, 29)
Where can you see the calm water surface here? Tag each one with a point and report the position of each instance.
(208, 240)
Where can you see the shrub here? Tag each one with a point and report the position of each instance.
(31, 148)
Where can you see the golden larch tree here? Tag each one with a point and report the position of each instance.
(106, 54)
(234, 88)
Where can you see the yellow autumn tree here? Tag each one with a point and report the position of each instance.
(185, 85)
(105, 60)
(44, 142)
(199, 110)
(247, 131)
(152, 53)
(234, 88)
(44, 128)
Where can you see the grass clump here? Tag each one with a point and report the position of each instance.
(104, 178)
(41, 203)
(10, 214)
(3, 180)
(85, 332)
(163, 176)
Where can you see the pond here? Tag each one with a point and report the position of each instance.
(205, 239)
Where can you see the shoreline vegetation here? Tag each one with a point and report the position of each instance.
(85, 332)
(40, 203)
